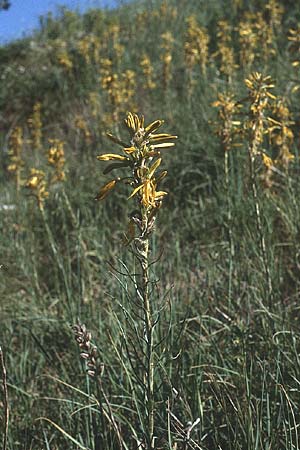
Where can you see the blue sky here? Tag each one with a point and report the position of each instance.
(23, 15)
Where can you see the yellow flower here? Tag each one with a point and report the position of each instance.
(140, 156)
(267, 161)
(112, 157)
(37, 184)
(56, 158)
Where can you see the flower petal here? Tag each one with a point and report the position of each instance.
(104, 191)
(111, 157)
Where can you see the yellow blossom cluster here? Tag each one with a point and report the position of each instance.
(275, 12)
(248, 43)
(259, 87)
(165, 11)
(229, 126)
(89, 48)
(16, 162)
(110, 83)
(281, 133)
(56, 159)
(294, 47)
(142, 156)
(166, 58)
(62, 55)
(148, 72)
(36, 183)
(225, 53)
(196, 45)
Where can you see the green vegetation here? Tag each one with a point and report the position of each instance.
(224, 288)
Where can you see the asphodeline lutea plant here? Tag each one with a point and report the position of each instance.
(110, 82)
(117, 48)
(84, 48)
(196, 45)
(282, 134)
(166, 58)
(228, 129)
(37, 184)
(294, 46)
(225, 53)
(128, 83)
(142, 156)
(266, 38)
(228, 125)
(16, 162)
(62, 56)
(259, 87)
(275, 11)
(294, 49)
(248, 43)
(148, 73)
(89, 48)
(56, 159)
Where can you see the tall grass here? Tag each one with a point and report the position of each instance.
(224, 287)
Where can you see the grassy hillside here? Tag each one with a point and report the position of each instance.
(223, 262)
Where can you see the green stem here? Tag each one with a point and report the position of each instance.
(148, 319)
(252, 152)
(229, 221)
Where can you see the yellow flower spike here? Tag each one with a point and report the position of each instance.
(143, 159)
(147, 70)
(105, 190)
(15, 155)
(112, 157)
(56, 159)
